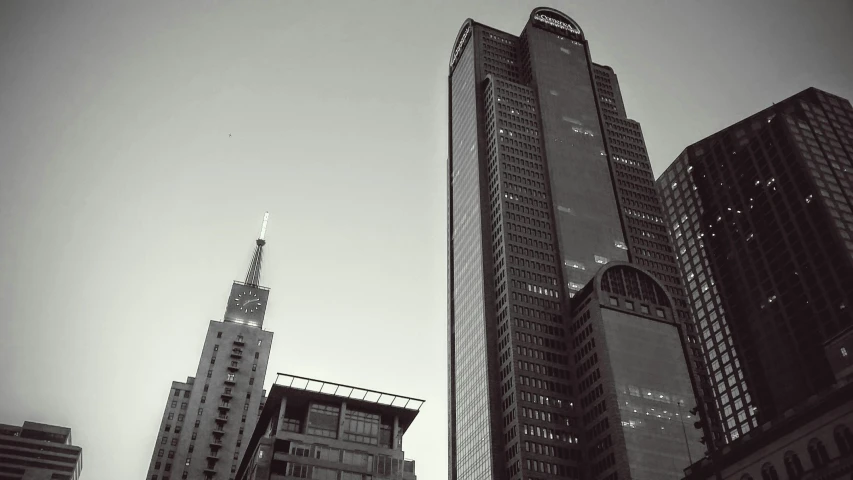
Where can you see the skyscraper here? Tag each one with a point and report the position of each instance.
(551, 195)
(762, 216)
(207, 419)
(38, 451)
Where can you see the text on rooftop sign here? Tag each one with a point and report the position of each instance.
(459, 46)
(556, 23)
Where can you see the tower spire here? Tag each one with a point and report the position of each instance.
(253, 276)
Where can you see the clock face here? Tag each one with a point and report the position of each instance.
(247, 301)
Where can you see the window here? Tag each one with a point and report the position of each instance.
(768, 472)
(300, 450)
(240, 338)
(257, 354)
(163, 442)
(614, 301)
(844, 439)
(322, 420)
(793, 466)
(361, 427)
(230, 377)
(297, 471)
(171, 454)
(629, 304)
(168, 427)
(174, 403)
(327, 453)
(252, 381)
(181, 417)
(843, 352)
(187, 394)
(254, 367)
(157, 466)
(218, 334)
(174, 441)
(817, 453)
(160, 453)
(660, 313)
(171, 415)
(644, 308)
(324, 473)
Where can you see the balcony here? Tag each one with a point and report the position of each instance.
(237, 353)
(239, 341)
(218, 430)
(226, 395)
(210, 469)
(224, 406)
(216, 443)
(222, 419)
(213, 456)
(230, 381)
(234, 367)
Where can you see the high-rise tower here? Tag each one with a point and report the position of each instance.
(208, 418)
(570, 341)
(762, 215)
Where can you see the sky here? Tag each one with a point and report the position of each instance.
(142, 142)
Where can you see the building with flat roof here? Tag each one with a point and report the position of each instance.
(206, 419)
(37, 451)
(762, 217)
(316, 429)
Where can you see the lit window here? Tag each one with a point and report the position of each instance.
(600, 259)
(843, 352)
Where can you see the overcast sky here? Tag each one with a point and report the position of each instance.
(126, 209)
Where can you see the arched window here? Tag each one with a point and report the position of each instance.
(793, 465)
(844, 439)
(817, 453)
(768, 472)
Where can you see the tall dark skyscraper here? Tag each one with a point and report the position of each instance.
(208, 419)
(565, 360)
(762, 217)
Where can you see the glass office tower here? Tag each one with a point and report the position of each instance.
(762, 215)
(549, 186)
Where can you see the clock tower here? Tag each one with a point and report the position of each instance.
(247, 302)
(208, 419)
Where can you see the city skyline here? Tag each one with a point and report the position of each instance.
(124, 218)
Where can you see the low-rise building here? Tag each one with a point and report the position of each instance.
(315, 429)
(36, 451)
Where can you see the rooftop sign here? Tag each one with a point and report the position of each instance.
(459, 46)
(557, 23)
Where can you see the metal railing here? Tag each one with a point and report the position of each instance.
(348, 391)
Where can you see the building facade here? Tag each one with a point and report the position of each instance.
(36, 451)
(315, 429)
(548, 182)
(762, 217)
(811, 441)
(207, 419)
